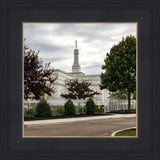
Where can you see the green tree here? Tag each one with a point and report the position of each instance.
(134, 95)
(43, 109)
(118, 94)
(90, 106)
(69, 108)
(120, 68)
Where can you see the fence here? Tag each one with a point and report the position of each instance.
(120, 105)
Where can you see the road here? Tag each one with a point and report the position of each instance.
(104, 127)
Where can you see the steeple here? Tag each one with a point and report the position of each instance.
(76, 67)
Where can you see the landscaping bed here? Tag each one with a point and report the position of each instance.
(63, 116)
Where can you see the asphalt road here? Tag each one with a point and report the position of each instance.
(103, 127)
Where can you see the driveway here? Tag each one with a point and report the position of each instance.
(98, 127)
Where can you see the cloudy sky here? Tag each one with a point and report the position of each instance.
(56, 42)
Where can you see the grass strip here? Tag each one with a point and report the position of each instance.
(131, 132)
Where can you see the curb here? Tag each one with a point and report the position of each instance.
(114, 133)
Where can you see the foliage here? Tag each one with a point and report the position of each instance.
(43, 109)
(31, 111)
(134, 95)
(60, 110)
(82, 109)
(131, 132)
(79, 90)
(90, 106)
(120, 94)
(38, 79)
(69, 108)
(124, 111)
(120, 68)
(100, 109)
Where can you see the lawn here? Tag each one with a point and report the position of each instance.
(131, 132)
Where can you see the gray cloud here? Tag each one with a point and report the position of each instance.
(52, 60)
(92, 66)
(46, 47)
(56, 42)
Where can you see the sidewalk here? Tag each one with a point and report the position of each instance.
(71, 120)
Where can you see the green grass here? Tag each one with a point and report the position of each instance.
(131, 132)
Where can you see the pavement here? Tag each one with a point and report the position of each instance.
(89, 128)
(36, 123)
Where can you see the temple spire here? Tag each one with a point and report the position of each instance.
(76, 67)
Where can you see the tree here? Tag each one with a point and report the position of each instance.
(79, 90)
(120, 68)
(69, 108)
(134, 95)
(90, 107)
(118, 94)
(43, 109)
(38, 79)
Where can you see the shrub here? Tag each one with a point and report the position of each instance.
(30, 111)
(60, 110)
(100, 109)
(82, 109)
(90, 106)
(43, 109)
(69, 108)
(124, 111)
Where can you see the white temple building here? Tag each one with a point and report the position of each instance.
(62, 77)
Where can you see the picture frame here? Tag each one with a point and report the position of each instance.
(13, 14)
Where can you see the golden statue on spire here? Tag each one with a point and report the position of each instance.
(76, 43)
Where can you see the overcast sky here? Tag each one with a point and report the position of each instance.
(56, 42)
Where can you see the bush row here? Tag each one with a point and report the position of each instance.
(69, 108)
(124, 111)
(43, 109)
(98, 109)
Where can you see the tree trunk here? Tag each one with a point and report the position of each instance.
(129, 100)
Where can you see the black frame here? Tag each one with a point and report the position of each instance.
(13, 146)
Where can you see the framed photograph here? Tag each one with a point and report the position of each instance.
(72, 95)
(78, 43)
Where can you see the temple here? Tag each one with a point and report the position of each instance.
(63, 77)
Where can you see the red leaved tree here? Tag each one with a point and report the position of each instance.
(79, 90)
(38, 79)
